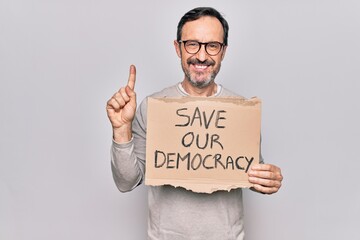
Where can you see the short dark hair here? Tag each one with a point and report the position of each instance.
(199, 12)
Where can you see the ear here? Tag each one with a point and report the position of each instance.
(177, 48)
(223, 53)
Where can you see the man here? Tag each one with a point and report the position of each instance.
(176, 213)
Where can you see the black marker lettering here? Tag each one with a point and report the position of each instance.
(206, 141)
(207, 123)
(249, 163)
(182, 115)
(193, 160)
(229, 160)
(214, 139)
(237, 163)
(196, 115)
(217, 158)
(218, 118)
(169, 160)
(189, 141)
(156, 159)
(206, 157)
(186, 157)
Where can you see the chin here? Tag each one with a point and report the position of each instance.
(200, 83)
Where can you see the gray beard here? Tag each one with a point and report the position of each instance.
(200, 84)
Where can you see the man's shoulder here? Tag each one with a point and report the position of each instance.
(171, 91)
(225, 92)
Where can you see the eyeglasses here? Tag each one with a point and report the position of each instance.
(193, 47)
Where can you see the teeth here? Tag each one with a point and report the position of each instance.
(200, 66)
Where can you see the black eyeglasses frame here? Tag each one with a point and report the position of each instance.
(200, 44)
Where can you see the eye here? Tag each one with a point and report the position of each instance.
(192, 44)
(213, 45)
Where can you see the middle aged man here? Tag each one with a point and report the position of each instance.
(176, 213)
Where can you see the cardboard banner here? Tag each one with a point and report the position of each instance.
(202, 144)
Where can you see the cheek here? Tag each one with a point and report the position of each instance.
(218, 60)
(184, 59)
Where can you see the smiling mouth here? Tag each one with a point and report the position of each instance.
(197, 66)
(200, 66)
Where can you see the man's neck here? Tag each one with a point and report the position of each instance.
(207, 91)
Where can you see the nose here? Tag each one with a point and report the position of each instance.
(201, 55)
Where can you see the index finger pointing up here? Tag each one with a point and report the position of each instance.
(132, 77)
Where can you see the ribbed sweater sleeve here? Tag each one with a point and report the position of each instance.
(128, 159)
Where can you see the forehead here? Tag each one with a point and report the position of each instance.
(204, 29)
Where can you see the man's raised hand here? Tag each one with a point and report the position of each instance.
(121, 109)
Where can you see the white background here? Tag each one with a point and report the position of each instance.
(60, 61)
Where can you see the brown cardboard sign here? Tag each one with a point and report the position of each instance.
(202, 144)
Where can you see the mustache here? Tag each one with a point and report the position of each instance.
(197, 61)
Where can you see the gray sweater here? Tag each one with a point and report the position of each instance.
(176, 213)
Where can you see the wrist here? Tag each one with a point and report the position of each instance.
(122, 134)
